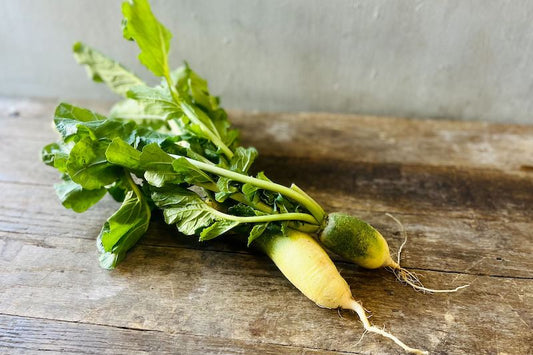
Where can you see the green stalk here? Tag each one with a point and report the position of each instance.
(295, 194)
(306, 201)
(304, 217)
(213, 136)
(239, 197)
(136, 190)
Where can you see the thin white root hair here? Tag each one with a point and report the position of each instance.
(361, 338)
(403, 233)
(408, 277)
(357, 308)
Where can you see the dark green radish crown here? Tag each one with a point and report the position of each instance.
(356, 241)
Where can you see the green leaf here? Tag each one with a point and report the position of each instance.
(151, 36)
(200, 91)
(199, 123)
(216, 229)
(256, 232)
(123, 229)
(123, 154)
(221, 122)
(153, 157)
(243, 159)
(118, 191)
(249, 190)
(189, 173)
(67, 117)
(192, 86)
(156, 100)
(65, 110)
(74, 123)
(101, 68)
(146, 135)
(225, 189)
(184, 208)
(158, 166)
(241, 209)
(77, 198)
(56, 155)
(145, 114)
(48, 153)
(88, 166)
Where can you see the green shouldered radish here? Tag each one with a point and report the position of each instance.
(308, 267)
(359, 242)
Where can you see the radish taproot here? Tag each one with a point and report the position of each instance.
(171, 147)
(357, 241)
(308, 267)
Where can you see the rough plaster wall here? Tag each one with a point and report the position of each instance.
(453, 59)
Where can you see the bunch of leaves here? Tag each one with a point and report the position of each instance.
(169, 147)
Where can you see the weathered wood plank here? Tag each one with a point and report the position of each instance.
(371, 139)
(21, 335)
(347, 138)
(444, 191)
(483, 193)
(463, 191)
(456, 244)
(239, 296)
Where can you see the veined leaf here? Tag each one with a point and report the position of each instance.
(155, 100)
(77, 198)
(118, 191)
(184, 208)
(243, 159)
(67, 117)
(56, 155)
(225, 189)
(241, 209)
(65, 110)
(146, 135)
(256, 232)
(88, 166)
(144, 114)
(157, 165)
(190, 173)
(123, 154)
(123, 229)
(73, 121)
(151, 36)
(101, 68)
(201, 124)
(194, 87)
(216, 229)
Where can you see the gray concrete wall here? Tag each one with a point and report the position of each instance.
(453, 59)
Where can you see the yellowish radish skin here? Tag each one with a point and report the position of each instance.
(307, 266)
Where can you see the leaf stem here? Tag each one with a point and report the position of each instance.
(213, 136)
(304, 217)
(136, 191)
(312, 206)
(239, 197)
(174, 128)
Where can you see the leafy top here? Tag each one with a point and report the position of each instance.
(152, 37)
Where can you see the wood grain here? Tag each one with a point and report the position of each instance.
(244, 297)
(37, 335)
(459, 244)
(463, 191)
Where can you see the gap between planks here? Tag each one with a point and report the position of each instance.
(160, 332)
(214, 249)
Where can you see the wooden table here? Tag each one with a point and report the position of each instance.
(463, 190)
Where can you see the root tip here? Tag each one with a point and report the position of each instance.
(357, 308)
